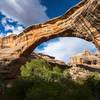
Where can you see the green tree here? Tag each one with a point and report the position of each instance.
(41, 69)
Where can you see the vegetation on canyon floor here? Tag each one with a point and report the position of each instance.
(41, 81)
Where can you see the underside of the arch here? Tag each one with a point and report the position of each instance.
(82, 21)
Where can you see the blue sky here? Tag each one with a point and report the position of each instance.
(58, 7)
(15, 15)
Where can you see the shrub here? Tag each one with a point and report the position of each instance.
(41, 81)
(41, 69)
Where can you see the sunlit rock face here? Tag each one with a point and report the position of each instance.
(81, 21)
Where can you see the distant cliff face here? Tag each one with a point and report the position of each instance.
(86, 58)
(82, 21)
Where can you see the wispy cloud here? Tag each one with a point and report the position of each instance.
(9, 26)
(64, 48)
(25, 11)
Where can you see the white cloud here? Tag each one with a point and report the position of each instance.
(8, 27)
(1, 34)
(15, 4)
(66, 47)
(25, 11)
(15, 29)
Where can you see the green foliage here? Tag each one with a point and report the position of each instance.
(66, 74)
(44, 90)
(94, 85)
(41, 69)
(41, 81)
(19, 89)
(31, 67)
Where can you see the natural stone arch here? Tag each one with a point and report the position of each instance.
(82, 21)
